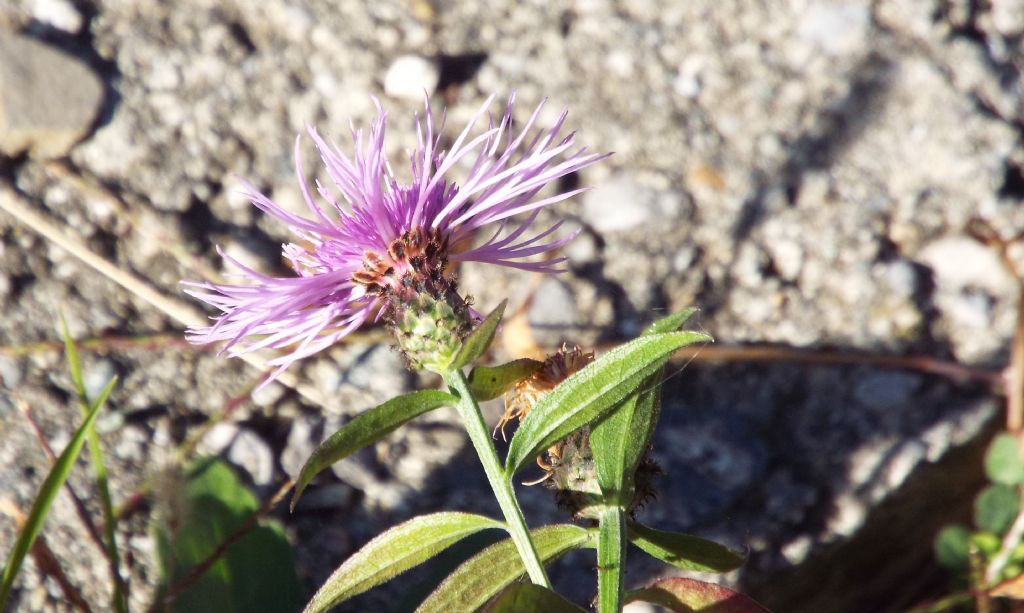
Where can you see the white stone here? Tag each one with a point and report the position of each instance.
(960, 262)
(411, 77)
(796, 550)
(60, 14)
(788, 258)
(836, 28)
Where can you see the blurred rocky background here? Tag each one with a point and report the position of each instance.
(802, 171)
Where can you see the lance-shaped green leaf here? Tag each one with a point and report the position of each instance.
(620, 440)
(491, 570)
(591, 392)
(522, 597)
(47, 493)
(489, 382)
(685, 551)
(395, 552)
(479, 340)
(692, 596)
(670, 323)
(368, 428)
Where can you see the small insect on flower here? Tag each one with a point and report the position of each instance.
(376, 245)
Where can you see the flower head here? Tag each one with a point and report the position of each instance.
(373, 243)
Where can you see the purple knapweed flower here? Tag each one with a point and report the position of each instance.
(385, 240)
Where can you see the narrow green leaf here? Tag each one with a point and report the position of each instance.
(41, 507)
(611, 559)
(670, 323)
(591, 392)
(692, 596)
(71, 352)
(620, 440)
(952, 546)
(685, 551)
(488, 572)
(480, 339)
(530, 598)
(1003, 462)
(367, 428)
(995, 508)
(489, 382)
(395, 552)
(99, 467)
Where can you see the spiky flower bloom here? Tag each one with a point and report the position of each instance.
(374, 244)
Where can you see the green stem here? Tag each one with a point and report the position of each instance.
(502, 487)
(611, 542)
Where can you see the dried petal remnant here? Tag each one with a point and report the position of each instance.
(558, 367)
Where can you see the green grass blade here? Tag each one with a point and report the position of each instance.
(41, 507)
(99, 466)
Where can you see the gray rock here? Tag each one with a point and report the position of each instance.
(96, 375)
(553, 314)
(253, 454)
(886, 390)
(411, 77)
(243, 448)
(618, 204)
(48, 100)
(300, 445)
(11, 372)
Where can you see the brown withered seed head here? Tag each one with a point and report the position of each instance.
(568, 465)
(558, 367)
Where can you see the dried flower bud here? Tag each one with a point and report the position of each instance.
(568, 465)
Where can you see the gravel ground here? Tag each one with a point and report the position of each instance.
(803, 171)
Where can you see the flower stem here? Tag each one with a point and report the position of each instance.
(502, 487)
(611, 542)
